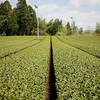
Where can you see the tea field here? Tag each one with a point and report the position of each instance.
(24, 63)
(23, 74)
(77, 67)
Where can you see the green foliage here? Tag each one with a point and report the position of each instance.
(24, 62)
(8, 6)
(88, 31)
(42, 27)
(23, 21)
(31, 20)
(34, 31)
(50, 27)
(8, 17)
(3, 34)
(50, 23)
(3, 23)
(90, 48)
(26, 17)
(8, 48)
(80, 30)
(3, 9)
(26, 22)
(97, 28)
(13, 26)
(33, 16)
(22, 15)
(3, 19)
(77, 72)
(68, 29)
(23, 74)
(74, 28)
(54, 26)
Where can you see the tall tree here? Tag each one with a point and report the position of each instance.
(42, 27)
(7, 5)
(3, 20)
(13, 26)
(9, 13)
(22, 15)
(6, 10)
(80, 30)
(53, 27)
(68, 29)
(3, 9)
(97, 30)
(76, 30)
(50, 27)
(3, 23)
(31, 19)
(88, 31)
(73, 28)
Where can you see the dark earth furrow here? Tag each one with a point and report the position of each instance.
(50, 88)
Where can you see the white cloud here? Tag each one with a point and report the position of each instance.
(82, 19)
(99, 4)
(38, 0)
(28, 2)
(4, 0)
(86, 19)
(48, 8)
(83, 3)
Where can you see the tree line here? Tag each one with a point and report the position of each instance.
(18, 21)
(22, 20)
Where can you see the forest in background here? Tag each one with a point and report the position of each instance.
(22, 20)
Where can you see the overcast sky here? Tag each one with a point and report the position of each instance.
(84, 12)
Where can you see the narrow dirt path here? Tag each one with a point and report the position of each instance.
(50, 88)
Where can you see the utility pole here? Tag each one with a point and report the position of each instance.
(72, 26)
(37, 22)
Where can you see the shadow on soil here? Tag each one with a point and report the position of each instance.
(50, 88)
